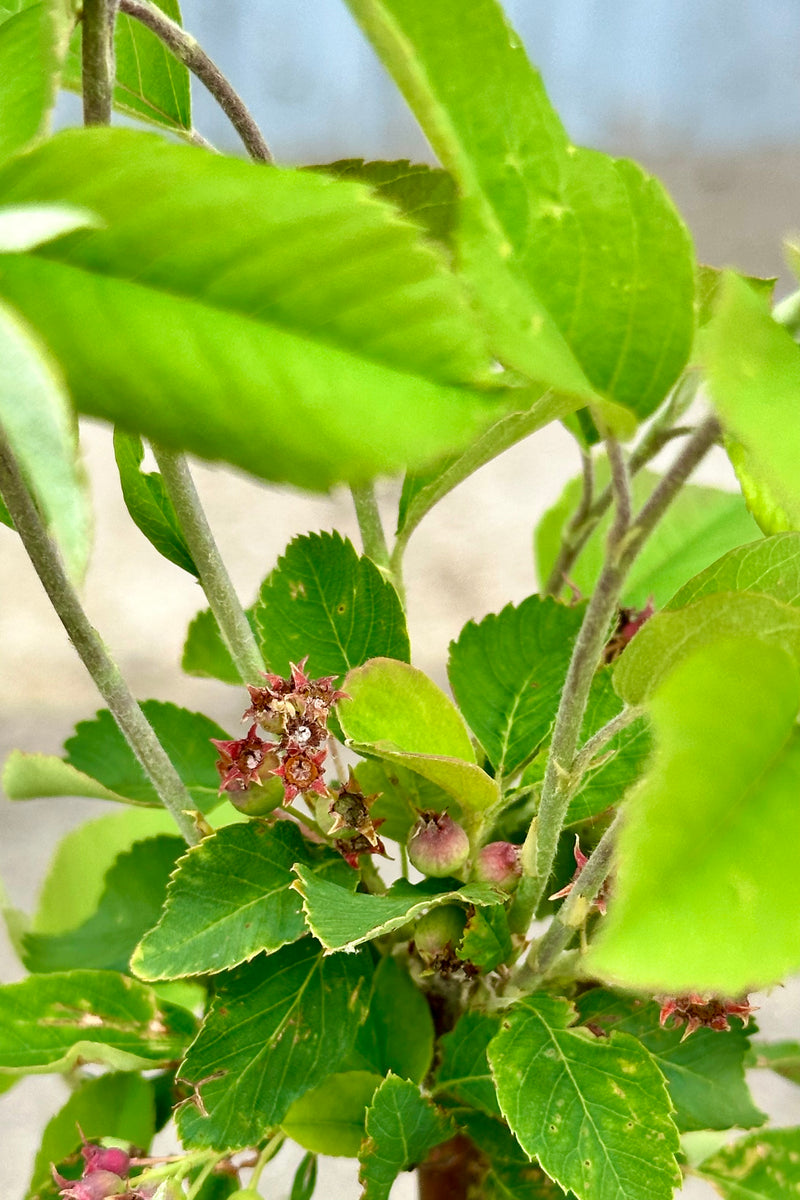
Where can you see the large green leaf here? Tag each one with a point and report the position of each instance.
(150, 82)
(323, 601)
(278, 1026)
(580, 262)
(230, 898)
(669, 637)
(700, 525)
(402, 1127)
(753, 367)
(398, 1032)
(507, 674)
(704, 1073)
(31, 47)
(464, 1073)
(327, 386)
(511, 1175)
(50, 1022)
(148, 503)
(593, 1111)
(113, 1106)
(765, 1166)
(133, 894)
(36, 419)
(698, 903)
(769, 567)
(342, 919)
(330, 1118)
(397, 713)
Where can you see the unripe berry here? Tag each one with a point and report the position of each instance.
(438, 934)
(261, 797)
(499, 863)
(437, 846)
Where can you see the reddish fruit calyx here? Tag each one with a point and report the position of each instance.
(499, 863)
(708, 1012)
(600, 901)
(243, 762)
(437, 846)
(437, 937)
(348, 815)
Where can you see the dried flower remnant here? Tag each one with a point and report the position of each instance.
(241, 762)
(629, 622)
(707, 1012)
(301, 771)
(600, 901)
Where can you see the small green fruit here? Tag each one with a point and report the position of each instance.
(437, 846)
(438, 933)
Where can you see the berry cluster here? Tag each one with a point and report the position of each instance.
(105, 1172)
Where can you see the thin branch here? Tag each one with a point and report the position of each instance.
(368, 514)
(214, 577)
(187, 51)
(590, 749)
(97, 55)
(91, 650)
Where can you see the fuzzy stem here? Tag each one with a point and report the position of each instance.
(214, 577)
(97, 42)
(187, 51)
(368, 514)
(91, 650)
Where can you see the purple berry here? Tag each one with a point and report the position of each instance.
(437, 846)
(499, 863)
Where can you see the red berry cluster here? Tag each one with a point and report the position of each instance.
(707, 1012)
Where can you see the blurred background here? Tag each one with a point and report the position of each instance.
(705, 93)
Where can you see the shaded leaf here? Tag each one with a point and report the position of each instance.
(326, 387)
(464, 1072)
(593, 1111)
(512, 1176)
(402, 795)
(704, 1073)
(398, 1033)
(507, 674)
(341, 919)
(324, 601)
(112, 1106)
(30, 54)
(781, 1057)
(698, 904)
(230, 899)
(147, 502)
(709, 280)
(402, 1128)
(487, 939)
(305, 1178)
(330, 1118)
(765, 1166)
(278, 1026)
(427, 195)
(204, 651)
(49, 1022)
(133, 893)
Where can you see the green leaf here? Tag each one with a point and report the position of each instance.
(25, 226)
(487, 940)
(464, 1072)
(769, 567)
(150, 82)
(700, 525)
(396, 712)
(512, 1176)
(507, 674)
(204, 651)
(50, 1022)
(35, 416)
(99, 750)
(342, 919)
(323, 601)
(402, 1127)
(277, 1028)
(700, 902)
(134, 891)
(753, 370)
(709, 280)
(75, 878)
(148, 503)
(330, 1118)
(424, 194)
(670, 637)
(30, 53)
(230, 899)
(398, 1033)
(328, 388)
(35, 776)
(781, 1057)
(704, 1073)
(422, 490)
(765, 1166)
(580, 261)
(113, 1106)
(305, 1178)
(402, 795)
(593, 1111)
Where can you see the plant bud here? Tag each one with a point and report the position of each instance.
(437, 846)
(105, 1158)
(499, 863)
(99, 1185)
(438, 934)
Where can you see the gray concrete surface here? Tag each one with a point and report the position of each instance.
(469, 558)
